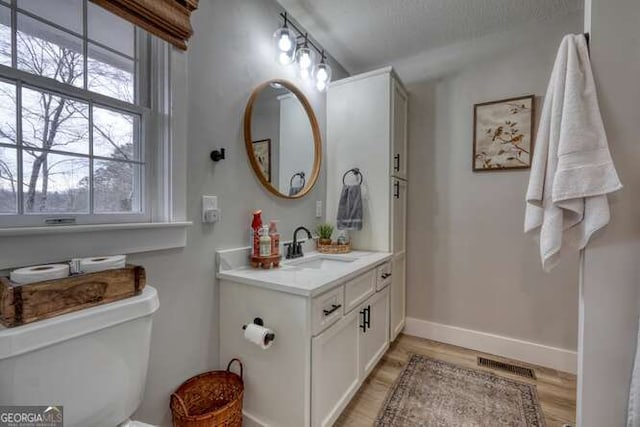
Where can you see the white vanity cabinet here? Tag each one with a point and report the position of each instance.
(329, 336)
(367, 129)
(374, 331)
(345, 354)
(335, 372)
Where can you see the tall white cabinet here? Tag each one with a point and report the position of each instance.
(367, 129)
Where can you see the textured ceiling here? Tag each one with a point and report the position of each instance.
(364, 34)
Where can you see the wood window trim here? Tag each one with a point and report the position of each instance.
(167, 19)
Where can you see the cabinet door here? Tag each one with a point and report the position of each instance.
(399, 133)
(374, 331)
(334, 369)
(398, 216)
(398, 294)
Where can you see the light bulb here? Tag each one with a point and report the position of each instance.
(284, 44)
(284, 59)
(321, 86)
(322, 75)
(305, 61)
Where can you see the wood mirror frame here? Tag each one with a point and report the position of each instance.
(317, 139)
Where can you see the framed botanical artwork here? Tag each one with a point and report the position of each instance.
(262, 150)
(503, 134)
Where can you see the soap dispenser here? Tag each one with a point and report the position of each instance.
(265, 242)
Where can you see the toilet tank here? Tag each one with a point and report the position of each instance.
(93, 362)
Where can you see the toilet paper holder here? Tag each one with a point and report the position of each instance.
(258, 321)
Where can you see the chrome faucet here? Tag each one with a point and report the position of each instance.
(294, 250)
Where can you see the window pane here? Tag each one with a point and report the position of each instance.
(116, 186)
(52, 122)
(115, 134)
(46, 51)
(54, 182)
(8, 180)
(110, 30)
(66, 13)
(111, 74)
(7, 113)
(5, 36)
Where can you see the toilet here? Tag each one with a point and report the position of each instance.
(93, 362)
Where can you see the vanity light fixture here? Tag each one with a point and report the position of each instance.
(285, 43)
(322, 75)
(292, 44)
(305, 59)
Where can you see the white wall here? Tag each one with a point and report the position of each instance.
(228, 56)
(296, 143)
(611, 272)
(469, 263)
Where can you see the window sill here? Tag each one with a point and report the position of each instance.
(63, 229)
(34, 245)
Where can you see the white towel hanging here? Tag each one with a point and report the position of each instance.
(572, 171)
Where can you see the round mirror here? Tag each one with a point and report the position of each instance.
(282, 139)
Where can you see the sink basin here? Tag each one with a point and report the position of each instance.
(322, 262)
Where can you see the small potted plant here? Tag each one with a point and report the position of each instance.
(325, 231)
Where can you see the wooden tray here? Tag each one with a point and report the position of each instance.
(334, 248)
(266, 262)
(22, 304)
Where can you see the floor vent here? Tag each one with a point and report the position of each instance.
(514, 369)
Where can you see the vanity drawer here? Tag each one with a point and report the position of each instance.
(326, 309)
(359, 289)
(383, 276)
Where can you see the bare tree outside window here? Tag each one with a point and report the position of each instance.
(75, 156)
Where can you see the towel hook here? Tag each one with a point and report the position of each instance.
(302, 177)
(356, 172)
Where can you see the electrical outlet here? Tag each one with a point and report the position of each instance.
(210, 210)
(318, 208)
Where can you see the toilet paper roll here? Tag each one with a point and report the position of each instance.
(94, 264)
(258, 335)
(39, 273)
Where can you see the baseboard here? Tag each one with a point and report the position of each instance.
(526, 351)
(248, 420)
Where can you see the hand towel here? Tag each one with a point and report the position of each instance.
(295, 189)
(572, 171)
(633, 408)
(350, 208)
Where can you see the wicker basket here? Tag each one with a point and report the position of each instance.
(334, 248)
(210, 399)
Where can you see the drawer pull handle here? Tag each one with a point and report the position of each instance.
(366, 318)
(386, 275)
(334, 307)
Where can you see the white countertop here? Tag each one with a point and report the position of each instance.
(300, 280)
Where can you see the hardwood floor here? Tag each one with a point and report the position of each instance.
(556, 390)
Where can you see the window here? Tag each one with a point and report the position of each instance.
(74, 112)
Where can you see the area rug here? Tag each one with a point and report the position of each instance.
(434, 393)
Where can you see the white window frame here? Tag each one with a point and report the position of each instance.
(152, 105)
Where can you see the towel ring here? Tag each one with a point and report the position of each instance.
(354, 171)
(302, 177)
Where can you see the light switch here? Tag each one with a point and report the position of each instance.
(318, 208)
(210, 210)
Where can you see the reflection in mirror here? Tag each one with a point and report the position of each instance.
(282, 139)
